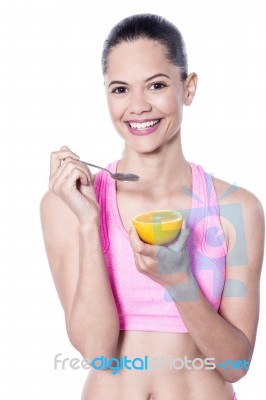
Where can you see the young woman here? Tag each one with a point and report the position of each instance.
(190, 310)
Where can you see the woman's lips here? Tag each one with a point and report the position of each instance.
(144, 127)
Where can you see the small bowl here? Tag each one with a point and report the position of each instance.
(158, 226)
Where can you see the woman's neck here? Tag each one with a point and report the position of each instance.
(161, 171)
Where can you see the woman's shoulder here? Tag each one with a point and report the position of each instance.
(228, 193)
(56, 215)
(53, 204)
(242, 216)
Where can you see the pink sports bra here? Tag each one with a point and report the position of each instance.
(142, 303)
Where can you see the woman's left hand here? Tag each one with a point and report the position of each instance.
(169, 266)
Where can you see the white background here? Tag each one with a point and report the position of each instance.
(51, 93)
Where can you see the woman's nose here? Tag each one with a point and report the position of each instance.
(138, 103)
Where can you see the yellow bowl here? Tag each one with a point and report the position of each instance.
(158, 226)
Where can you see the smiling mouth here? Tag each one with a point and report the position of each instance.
(143, 125)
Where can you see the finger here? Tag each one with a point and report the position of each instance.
(65, 171)
(65, 183)
(138, 262)
(88, 191)
(144, 264)
(75, 175)
(57, 157)
(62, 148)
(67, 165)
(139, 247)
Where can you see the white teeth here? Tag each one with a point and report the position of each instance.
(143, 125)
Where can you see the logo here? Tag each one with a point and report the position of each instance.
(230, 364)
(206, 244)
(138, 363)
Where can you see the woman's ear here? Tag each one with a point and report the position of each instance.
(190, 86)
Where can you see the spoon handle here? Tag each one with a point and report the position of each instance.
(93, 165)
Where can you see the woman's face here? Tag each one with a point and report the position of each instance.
(145, 94)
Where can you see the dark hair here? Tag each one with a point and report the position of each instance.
(152, 27)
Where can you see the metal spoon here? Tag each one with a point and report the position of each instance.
(118, 175)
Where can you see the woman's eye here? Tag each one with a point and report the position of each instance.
(158, 86)
(119, 90)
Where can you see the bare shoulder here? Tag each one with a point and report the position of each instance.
(58, 221)
(54, 212)
(232, 194)
(53, 208)
(59, 224)
(241, 205)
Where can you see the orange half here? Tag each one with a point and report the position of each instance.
(158, 226)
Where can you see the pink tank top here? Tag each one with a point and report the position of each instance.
(142, 303)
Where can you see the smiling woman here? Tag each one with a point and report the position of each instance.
(127, 299)
(145, 92)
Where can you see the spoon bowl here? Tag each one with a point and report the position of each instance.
(120, 176)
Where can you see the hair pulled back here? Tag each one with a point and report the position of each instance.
(151, 27)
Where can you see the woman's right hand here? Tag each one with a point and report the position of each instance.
(72, 181)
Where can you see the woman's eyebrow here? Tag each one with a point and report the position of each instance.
(147, 80)
(156, 76)
(117, 83)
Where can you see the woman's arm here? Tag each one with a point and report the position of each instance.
(70, 223)
(229, 334)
